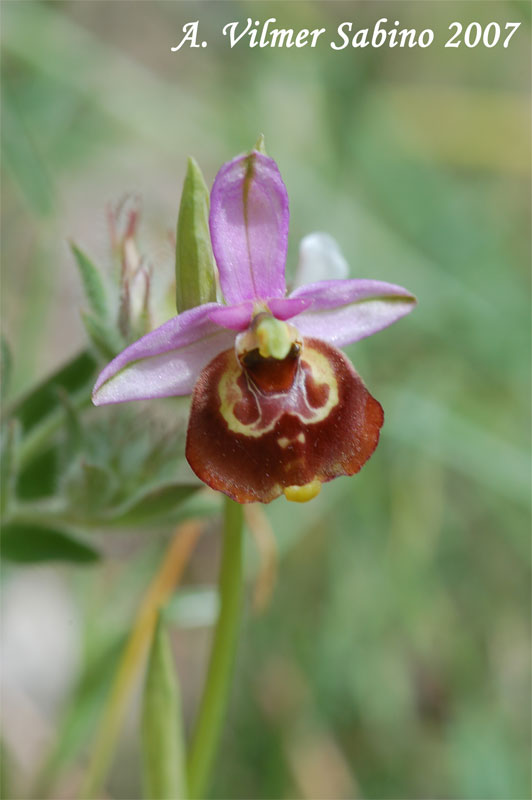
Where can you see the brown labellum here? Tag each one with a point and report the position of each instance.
(260, 425)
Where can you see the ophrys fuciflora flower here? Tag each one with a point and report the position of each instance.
(276, 407)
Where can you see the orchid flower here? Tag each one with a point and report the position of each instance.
(276, 407)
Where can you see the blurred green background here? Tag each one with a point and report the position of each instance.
(393, 660)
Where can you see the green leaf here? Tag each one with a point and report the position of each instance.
(85, 705)
(42, 414)
(6, 365)
(73, 428)
(194, 261)
(38, 403)
(89, 488)
(38, 477)
(23, 158)
(107, 341)
(162, 732)
(26, 543)
(158, 502)
(6, 772)
(92, 283)
(8, 463)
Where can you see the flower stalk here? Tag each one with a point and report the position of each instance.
(217, 685)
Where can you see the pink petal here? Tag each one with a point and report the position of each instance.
(287, 307)
(237, 318)
(341, 312)
(166, 361)
(249, 228)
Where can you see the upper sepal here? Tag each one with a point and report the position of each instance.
(320, 258)
(248, 221)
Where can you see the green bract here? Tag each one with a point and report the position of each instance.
(194, 261)
(162, 734)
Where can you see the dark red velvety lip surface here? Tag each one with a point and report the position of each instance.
(251, 443)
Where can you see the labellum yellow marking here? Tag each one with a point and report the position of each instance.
(283, 441)
(302, 494)
(230, 394)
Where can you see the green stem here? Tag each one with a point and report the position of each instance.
(215, 694)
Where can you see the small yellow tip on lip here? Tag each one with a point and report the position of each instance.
(302, 494)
